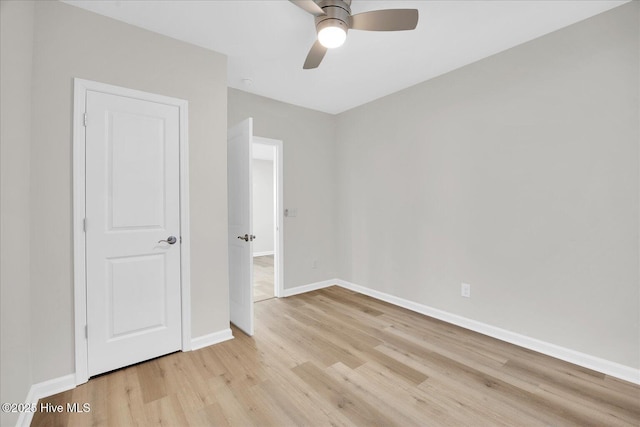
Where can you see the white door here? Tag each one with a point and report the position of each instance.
(133, 216)
(239, 140)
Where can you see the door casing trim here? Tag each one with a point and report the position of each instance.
(80, 89)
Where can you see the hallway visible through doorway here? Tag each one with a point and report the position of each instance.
(263, 276)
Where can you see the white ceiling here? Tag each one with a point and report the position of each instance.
(267, 41)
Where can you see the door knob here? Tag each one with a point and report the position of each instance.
(247, 238)
(170, 240)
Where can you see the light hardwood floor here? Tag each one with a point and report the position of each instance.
(333, 357)
(263, 278)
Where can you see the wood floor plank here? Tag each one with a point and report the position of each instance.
(311, 344)
(289, 406)
(210, 415)
(396, 366)
(262, 410)
(165, 411)
(80, 395)
(121, 406)
(231, 408)
(343, 350)
(578, 388)
(152, 381)
(47, 419)
(383, 400)
(294, 394)
(427, 406)
(341, 397)
(353, 303)
(183, 378)
(207, 363)
(333, 357)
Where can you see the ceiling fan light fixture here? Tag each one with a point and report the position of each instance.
(331, 37)
(333, 20)
(332, 34)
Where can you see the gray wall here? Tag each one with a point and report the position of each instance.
(70, 42)
(309, 181)
(517, 174)
(16, 55)
(263, 206)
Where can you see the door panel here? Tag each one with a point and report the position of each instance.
(132, 203)
(239, 143)
(133, 289)
(136, 138)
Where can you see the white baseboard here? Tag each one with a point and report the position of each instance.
(604, 366)
(310, 287)
(265, 253)
(45, 389)
(210, 339)
(67, 382)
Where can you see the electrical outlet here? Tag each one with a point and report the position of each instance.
(465, 290)
(314, 263)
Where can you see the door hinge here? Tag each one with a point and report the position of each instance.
(84, 225)
(84, 120)
(86, 331)
(180, 239)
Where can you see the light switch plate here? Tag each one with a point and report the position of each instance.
(291, 212)
(465, 290)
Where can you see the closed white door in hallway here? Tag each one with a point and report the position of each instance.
(132, 230)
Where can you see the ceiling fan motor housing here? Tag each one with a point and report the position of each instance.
(337, 14)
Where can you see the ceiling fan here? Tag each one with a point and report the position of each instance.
(334, 19)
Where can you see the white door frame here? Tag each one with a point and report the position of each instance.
(278, 165)
(81, 87)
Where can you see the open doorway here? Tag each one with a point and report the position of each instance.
(267, 222)
(241, 237)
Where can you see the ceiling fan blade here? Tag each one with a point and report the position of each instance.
(385, 20)
(315, 56)
(309, 5)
